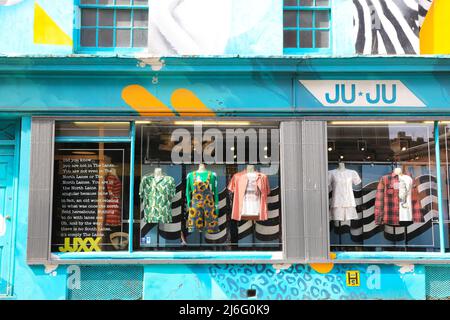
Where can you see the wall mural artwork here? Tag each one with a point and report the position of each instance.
(435, 28)
(42, 27)
(284, 282)
(387, 26)
(424, 7)
(401, 26)
(9, 2)
(214, 27)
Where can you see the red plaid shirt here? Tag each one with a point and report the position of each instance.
(387, 202)
(113, 216)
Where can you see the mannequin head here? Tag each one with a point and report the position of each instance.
(250, 168)
(201, 167)
(398, 171)
(341, 165)
(158, 172)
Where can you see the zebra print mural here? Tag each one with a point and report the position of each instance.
(388, 26)
(365, 228)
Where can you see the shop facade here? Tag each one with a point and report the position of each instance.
(83, 143)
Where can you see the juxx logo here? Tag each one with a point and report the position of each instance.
(81, 245)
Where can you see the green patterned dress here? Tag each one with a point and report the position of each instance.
(156, 195)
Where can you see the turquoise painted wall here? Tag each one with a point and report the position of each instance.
(87, 95)
(248, 85)
(290, 282)
(246, 28)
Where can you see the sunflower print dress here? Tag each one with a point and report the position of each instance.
(202, 214)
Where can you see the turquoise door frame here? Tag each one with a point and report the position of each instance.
(9, 138)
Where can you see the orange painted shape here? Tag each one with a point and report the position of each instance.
(186, 103)
(324, 267)
(145, 103)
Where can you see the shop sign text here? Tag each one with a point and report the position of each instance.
(362, 93)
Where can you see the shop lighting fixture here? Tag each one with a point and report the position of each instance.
(362, 144)
(83, 152)
(143, 122)
(331, 146)
(212, 123)
(232, 148)
(440, 122)
(88, 123)
(354, 123)
(342, 157)
(404, 149)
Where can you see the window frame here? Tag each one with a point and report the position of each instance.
(302, 244)
(130, 256)
(113, 49)
(399, 256)
(368, 245)
(314, 9)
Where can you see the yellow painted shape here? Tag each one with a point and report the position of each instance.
(435, 31)
(144, 102)
(324, 267)
(186, 103)
(46, 31)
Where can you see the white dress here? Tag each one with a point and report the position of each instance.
(343, 204)
(252, 197)
(404, 194)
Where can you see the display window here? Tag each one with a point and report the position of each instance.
(186, 185)
(216, 186)
(90, 197)
(207, 186)
(91, 187)
(382, 186)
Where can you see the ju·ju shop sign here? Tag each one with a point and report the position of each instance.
(360, 93)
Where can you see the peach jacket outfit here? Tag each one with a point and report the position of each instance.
(238, 185)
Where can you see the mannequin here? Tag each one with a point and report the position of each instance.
(156, 192)
(202, 200)
(398, 186)
(343, 203)
(252, 202)
(250, 190)
(113, 215)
